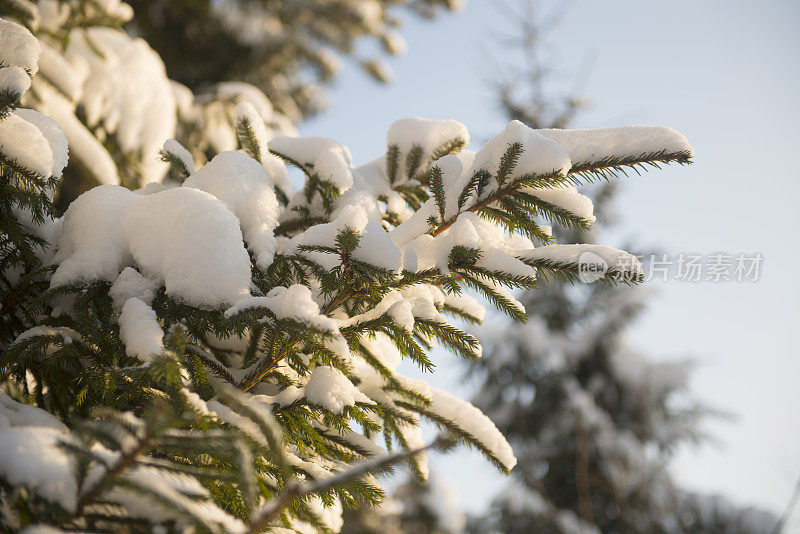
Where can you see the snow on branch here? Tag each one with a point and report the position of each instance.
(586, 263)
(607, 151)
(220, 328)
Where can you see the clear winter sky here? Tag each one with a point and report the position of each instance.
(726, 74)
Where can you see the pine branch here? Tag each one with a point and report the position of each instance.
(414, 160)
(248, 140)
(452, 146)
(9, 101)
(392, 163)
(124, 462)
(569, 272)
(175, 163)
(614, 166)
(497, 195)
(297, 490)
(508, 162)
(437, 186)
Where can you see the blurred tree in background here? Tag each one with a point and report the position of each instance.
(593, 421)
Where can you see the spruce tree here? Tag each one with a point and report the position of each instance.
(592, 420)
(218, 352)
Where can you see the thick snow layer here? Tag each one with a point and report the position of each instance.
(191, 241)
(293, 302)
(18, 47)
(14, 80)
(55, 138)
(468, 418)
(244, 186)
(16, 414)
(328, 159)
(139, 330)
(424, 299)
(276, 169)
(328, 387)
(416, 225)
(363, 196)
(540, 155)
(587, 146)
(210, 115)
(92, 244)
(67, 77)
(370, 181)
(495, 259)
(23, 142)
(426, 133)
(127, 92)
(183, 237)
(171, 146)
(131, 284)
(568, 198)
(469, 231)
(84, 147)
(30, 458)
(249, 110)
(384, 349)
(402, 314)
(375, 246)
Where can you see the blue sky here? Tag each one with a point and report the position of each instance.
(727, 75)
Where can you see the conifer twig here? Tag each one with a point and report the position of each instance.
(125, 461)
(296, 489)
